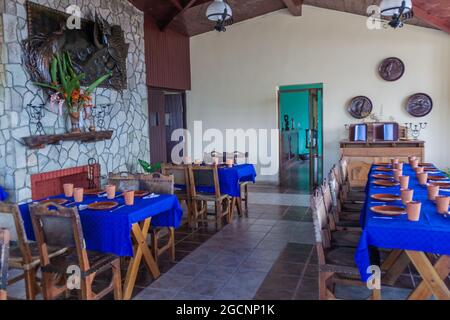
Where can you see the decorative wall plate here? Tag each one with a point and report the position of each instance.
(419, 105)
(360, 107)
(391, 69)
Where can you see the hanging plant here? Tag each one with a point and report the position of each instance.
(66, 84)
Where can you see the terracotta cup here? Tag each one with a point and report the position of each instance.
(397, 174)
(398, 166)
(407, 195)
(68, 189)
(404, 182)
(413, 209)
(414, 163)
(230, 163)
(433, 192)
(442, 204)
(129, 197)
(110, 191)
(423, 178)
(419, 170)
(78, 194)
(394, 161)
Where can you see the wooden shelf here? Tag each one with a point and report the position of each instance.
(39, 142)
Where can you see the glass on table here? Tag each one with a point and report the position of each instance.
(78, 195)
(442, 204)
(423, 178)
(397, 174)
(129, 197)
(404, 182)
(407, 195)
(433, 192)
(413, 209)
(68, 189)
(110, 191)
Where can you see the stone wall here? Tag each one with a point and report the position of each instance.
(127, 115)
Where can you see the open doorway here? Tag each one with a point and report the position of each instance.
(300, 114)
(167, 113)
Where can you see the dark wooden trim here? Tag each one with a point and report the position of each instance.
(179, 13)
(39, 142)
(294, 7)
(431, 19)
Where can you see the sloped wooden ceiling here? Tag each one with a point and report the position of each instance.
(188, 16)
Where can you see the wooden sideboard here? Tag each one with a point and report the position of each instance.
(361, 155)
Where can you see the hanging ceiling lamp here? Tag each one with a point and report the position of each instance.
(399, 10)
(220, 12)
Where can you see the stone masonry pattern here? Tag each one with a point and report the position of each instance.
(127, 116)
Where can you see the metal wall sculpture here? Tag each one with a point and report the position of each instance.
(96, 49)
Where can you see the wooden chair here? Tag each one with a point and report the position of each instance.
(124, 181)
(4, 255)
(180, 175)
(347, 204)
(24, 255)
(353, 194)
(58, 226)
(336, 263)
(160, 184)
(208, 176)
(343, 217)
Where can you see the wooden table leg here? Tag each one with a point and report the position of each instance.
(141, 249)
(432, 283)
(422, 292)
(395, 264)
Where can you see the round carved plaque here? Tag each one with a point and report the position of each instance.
(391, 69)
(419, 105)
(360, 107)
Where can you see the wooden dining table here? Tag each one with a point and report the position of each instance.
(425, 243)
(123, 230)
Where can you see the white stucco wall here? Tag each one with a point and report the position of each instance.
(235, 74)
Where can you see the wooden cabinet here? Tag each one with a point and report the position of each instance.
(361, 155)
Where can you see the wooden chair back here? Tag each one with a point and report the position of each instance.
(180, 173)
(237, 157)
(4, 266)
(11, 219)
(204, 176)
(320, 219)
(157, 183)
(343, 166)
(124, 181)
(335, 189)
(59, 227)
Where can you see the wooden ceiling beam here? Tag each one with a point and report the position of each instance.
(177, 4)
(190, 4)
(430, 19)
(294, 6)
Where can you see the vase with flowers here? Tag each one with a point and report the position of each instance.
(66, 84)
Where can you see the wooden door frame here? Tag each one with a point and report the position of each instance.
(301, 88)
(184, 102)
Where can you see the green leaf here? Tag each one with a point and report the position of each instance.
(46, 85)
(145, 165)
(98, 82)
(54, 70)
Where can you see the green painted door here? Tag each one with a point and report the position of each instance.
(302, 104)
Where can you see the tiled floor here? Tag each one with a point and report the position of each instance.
(268, 255)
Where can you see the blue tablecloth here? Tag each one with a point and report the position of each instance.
(3, 194)
(109, 232)
(431, 234)
(229, 179)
